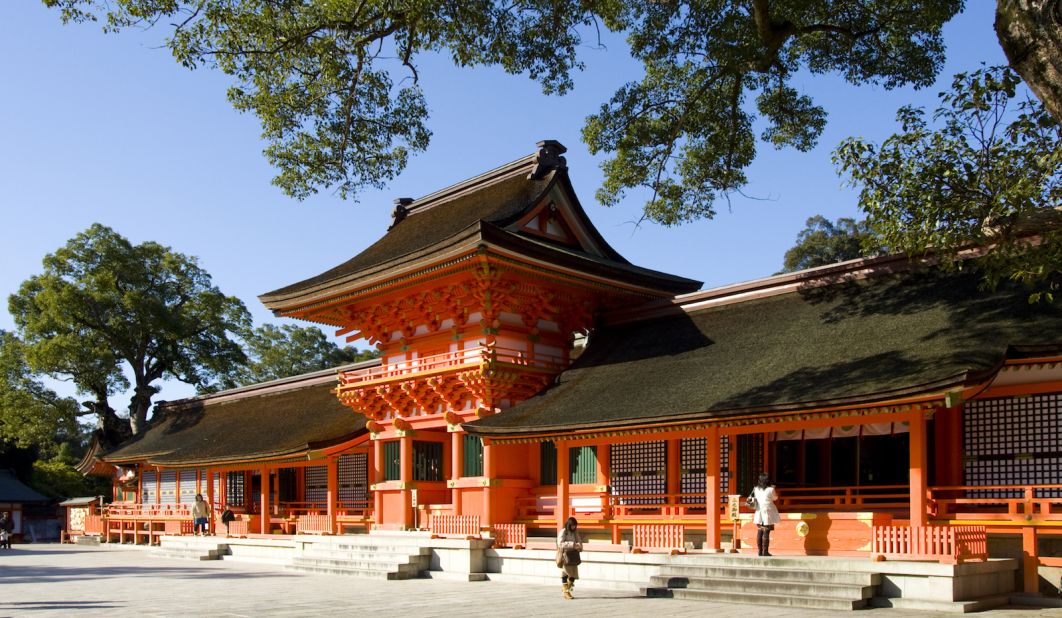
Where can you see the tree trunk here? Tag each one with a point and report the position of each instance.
(138, 407)
(1030, 32)
(112, 429)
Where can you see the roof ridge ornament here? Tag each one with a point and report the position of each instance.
(400, 212)
(548, 158)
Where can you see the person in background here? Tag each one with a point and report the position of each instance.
(200, 515)
(766, 513)
(569, 544)
(227, 517)
(7, 528)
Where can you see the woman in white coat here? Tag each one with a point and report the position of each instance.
(569, 546)
(766, 513)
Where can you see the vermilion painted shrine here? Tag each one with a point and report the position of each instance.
(880, 394)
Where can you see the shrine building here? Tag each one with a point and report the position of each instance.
(529, 373)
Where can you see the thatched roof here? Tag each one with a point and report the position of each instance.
(816, 344)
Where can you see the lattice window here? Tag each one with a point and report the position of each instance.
(392, 460)
(1013, 441)
(749, 461)
(147, 481)
(427, 461)
(168, 487)
(692, 481)
(315, 484)
(473, 456)
(354, 479)
(186, 489)
(639, 471)
(235, 492)
(582, 465)
(547, 467)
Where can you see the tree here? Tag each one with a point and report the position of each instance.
(822, 242)
(280, 352)
(334, 84)
(986, 174)
(32, 416)
(105, 308)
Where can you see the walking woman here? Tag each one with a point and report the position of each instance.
(568, 547)
(766, 513)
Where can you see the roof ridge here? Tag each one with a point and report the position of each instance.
(537, 164)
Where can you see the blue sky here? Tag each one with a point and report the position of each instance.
(109, 129)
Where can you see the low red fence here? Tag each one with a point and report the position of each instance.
(94, 525)
(947, 544)
(510, 535)
(668, 537)
(314, 524)
(454, 525)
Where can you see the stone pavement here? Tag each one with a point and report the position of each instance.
(66, 580)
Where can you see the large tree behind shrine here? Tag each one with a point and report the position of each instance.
(108, 315)
(335, 84)
(276, 352)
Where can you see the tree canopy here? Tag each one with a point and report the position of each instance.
(335, 84)
(104, 309)
(984, 171)
(823, 242)
(32, 416)
(280, 352)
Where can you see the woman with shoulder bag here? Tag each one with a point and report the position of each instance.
(568, 558)
(763, 497)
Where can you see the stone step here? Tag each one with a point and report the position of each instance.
(337, 570)
(187, 554)
(765, 586)
(406, 566)
(775, 574)
(362, 552)
(754, 598)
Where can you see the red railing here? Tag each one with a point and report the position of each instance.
(864, 498)
(466, 526)
(1003, 502)
(314, 524)
(451, 360)
(510, 535)
(947, 544)
(668, 537)
(94, 525)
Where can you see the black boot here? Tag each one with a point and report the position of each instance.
(759, 541)
(766, 543)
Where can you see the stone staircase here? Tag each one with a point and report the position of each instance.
(781, 582)
(377, 556)
(190, 548)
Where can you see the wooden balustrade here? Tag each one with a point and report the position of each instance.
(94, 525)
(448, 360)
(465, 526)
(946, 544)
(510, 535)
(999, 502)
(863, 498)
(314, 524)
(656, 537)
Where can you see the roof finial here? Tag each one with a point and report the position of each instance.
(548, 158)
(401, 210)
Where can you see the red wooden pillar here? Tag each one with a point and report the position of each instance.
(917, 422)
(333, 491)
(406, 478)
(457, 458)
(1030, 560)
(263, 500)
(948, 452)
(713, 537)
(158, 485)
(489, 473)
(378, 474)
(210, 499)
(563, 498)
